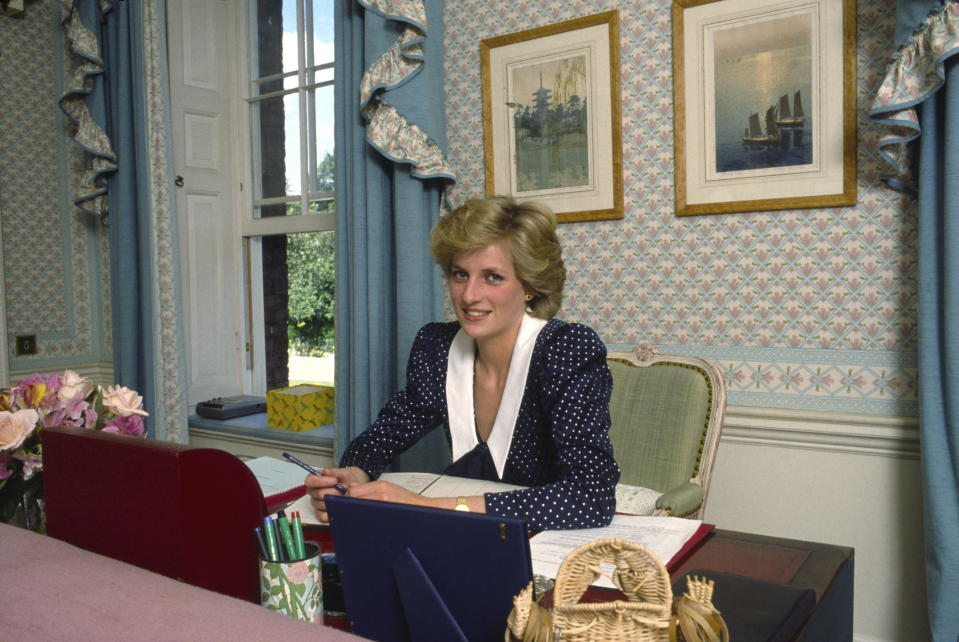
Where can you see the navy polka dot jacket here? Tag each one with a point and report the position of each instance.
(560, 446)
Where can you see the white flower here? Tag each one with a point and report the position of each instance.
(73, 386)
(123, 402)
(15, 427)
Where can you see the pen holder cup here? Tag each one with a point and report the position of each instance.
(294, 588)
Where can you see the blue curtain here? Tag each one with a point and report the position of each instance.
(939, 349)
(389, 185)
(920, 102)
(147, 321)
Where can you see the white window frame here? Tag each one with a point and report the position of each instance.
(250, 227)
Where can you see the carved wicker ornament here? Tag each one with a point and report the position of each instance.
(648, 614)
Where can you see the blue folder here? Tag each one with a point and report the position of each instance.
(426, 574)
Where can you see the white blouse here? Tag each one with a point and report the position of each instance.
(460, 369)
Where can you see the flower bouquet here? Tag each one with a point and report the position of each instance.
(44, 401)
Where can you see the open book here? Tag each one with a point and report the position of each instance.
(280, 480)
(669, 538)
(433, 485)
(425, 484)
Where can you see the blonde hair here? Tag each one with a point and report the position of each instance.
(528, 233)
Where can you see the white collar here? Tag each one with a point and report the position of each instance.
(459, 392)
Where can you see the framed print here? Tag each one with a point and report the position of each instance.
(765, 104)
(551, 117)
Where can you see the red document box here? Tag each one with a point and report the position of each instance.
(185, 512)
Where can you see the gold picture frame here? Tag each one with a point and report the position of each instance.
(552, 117)
(765, 104)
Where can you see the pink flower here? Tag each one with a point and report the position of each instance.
(128, 425)
(122, 401)
(5, 470)
(53, 382)
(73, 412)
(30, 392)
(74, 386)
(15, 427)
(298, 572)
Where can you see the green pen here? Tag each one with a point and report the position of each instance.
(298, 535)
(269, 533)
(286, 536)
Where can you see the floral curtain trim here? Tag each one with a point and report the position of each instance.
(411, 11)
(402, 141)
(391, 133)
(915, 73)
(398, 64)
(91, 188)
(170, 378)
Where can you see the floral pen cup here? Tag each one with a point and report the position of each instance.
(294, 587)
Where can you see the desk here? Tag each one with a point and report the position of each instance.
(824, 568)
(66, 593)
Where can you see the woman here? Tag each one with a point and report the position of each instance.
(524, 397)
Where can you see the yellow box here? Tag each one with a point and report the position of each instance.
(300, 407)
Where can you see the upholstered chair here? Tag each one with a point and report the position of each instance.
(667, 414)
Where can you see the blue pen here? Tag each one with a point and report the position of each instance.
(261, 543)
(313, 471)
(269, 533)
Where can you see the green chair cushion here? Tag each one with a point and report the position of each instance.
(659, 416)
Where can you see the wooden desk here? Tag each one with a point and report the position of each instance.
(824, 568)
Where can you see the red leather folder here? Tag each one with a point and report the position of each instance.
(691, 545)
(280, 500)
(185, 512)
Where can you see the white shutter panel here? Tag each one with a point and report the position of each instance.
(205, 39)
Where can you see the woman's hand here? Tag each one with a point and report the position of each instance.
(357, 484)
(388, 492)
(317, 486)
(385, 491)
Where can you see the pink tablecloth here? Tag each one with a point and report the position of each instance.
(55, 591)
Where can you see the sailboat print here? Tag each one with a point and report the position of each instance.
(754, 134)
(795, 119)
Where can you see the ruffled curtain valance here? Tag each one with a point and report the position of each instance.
(915, 73)
(90, 187)
(388, 129)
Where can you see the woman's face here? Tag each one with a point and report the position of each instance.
(488, 297)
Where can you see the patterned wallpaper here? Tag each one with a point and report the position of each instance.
(804, 309)
(54, 263)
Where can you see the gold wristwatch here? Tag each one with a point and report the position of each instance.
(461, 504)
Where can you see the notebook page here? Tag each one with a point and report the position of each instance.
(416, 482)
(449, 486)
(664, 536)
(276, 475)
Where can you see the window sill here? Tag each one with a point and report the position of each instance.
(249, 436)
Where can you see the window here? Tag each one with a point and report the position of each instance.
(289, 232)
